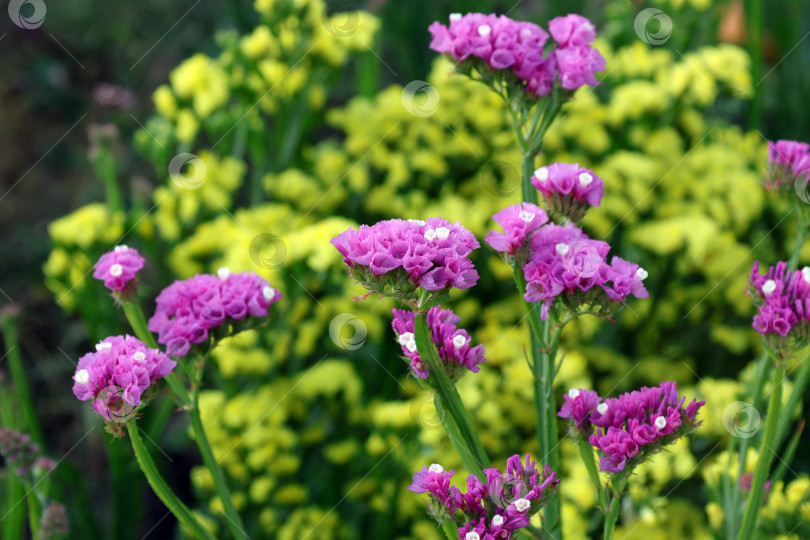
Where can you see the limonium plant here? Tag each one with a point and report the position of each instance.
(124, 372)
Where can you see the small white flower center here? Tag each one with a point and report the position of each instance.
(497, 520)
(455, 17)
(768, 287)
(116, 270)
(526, 216)
(541, 174)
(573, 393)
(562, 249)
(223, 273)
(585, 179)
(419, 222)
(269, 293)
(522, 505)
(442, 233)
(660, 422)
(102, 346)
(459, 341)
(139, 356)
(641, 274)
(484, 30)
(472, 535)
(602, 408)
(82, 377)
(436, 468)
(806, 274)
(405, 338)
(119, 249)
(430, 235)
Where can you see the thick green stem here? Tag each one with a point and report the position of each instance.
(801, 234)
(449, 398)
(766, 454)
(162, 490)
(34, 511)
(796, 395)
(615, 503)
(586, 452)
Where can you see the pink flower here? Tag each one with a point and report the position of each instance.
(454, 345)
(117, 374)
(786, 161)
(187, 310)
(578, 406)
(572, 30)
(783, 301)
(568, 189)
(118, 268)
(518, 222)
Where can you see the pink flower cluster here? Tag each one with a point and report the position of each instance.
(636, 424)
(188, 310)
(494, 509)
(783, 299)
(118, 269)
(454, 345)
(117, 374)
(786, 161)
(568, 189)
(518, 221)
(18, 451)
(565, 263)
(504, 44)
(405, 254)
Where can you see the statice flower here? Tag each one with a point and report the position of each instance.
(53, 524)
(577, 60)
(494, 509)
(566, 264)
(568, 189)
(397, 256)
(454, 345)
(118, 270)
(579, 403)
(17, 450)
(783, 300)
(787, 160)
(638, 424)
(189, 311)
(119, 376)
(497, 46)
(518, 221)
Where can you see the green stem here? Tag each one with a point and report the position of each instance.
(793, 262)
(30, 422)
(448, 396)
(787, 457)
(796, 395)
(615, 504)
(766, 454)
(586, 452)
(34, 511)
(450, 529)
(162, 490)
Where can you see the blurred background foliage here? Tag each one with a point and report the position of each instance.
(296, 111)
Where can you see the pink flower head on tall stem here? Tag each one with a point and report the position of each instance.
(118, 270)
(568, 189)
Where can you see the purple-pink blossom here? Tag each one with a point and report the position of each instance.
(637, 424)
(188, 310)
(787, 160)
(117, 374)
(453, 344)
(565, 263)
(578, 406)
(118, 268)
(493, 509)
(405, 254)
(518, 222)
(568, 189)
(517, 49)
(782, 297)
